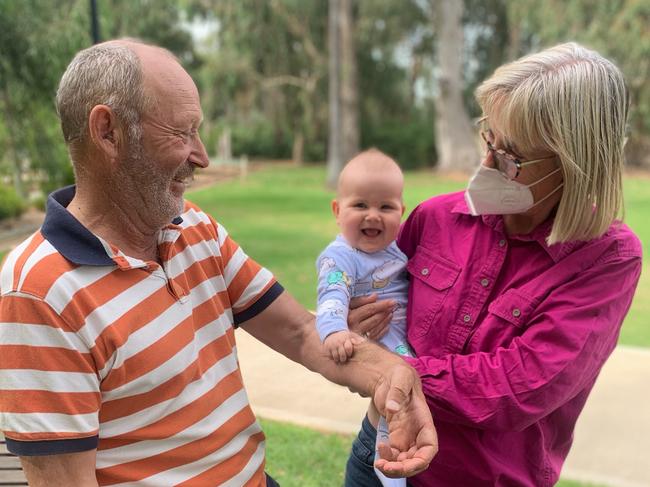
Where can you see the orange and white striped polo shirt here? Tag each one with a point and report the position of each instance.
(102, 350)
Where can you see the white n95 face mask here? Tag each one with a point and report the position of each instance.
(491, 193)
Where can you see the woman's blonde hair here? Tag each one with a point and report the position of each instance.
(572, 102)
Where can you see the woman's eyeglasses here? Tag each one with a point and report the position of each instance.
(508, 164)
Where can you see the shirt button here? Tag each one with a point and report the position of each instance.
(424, 272)
(467, 318)
(502, 242)
(485, 282)
(516, 312)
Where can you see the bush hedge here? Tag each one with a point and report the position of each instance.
(10, 203)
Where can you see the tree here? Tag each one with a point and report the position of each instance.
(454, 132)
(264, 75)
(617, 29)
(343, 91)
(36, 41)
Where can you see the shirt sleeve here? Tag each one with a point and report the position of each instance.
(336, 272)
(566, 342)
(250, 287)
(49, 385)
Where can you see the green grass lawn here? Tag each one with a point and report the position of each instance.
(300, 457)
(281, 216)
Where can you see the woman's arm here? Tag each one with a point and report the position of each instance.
(567, 341)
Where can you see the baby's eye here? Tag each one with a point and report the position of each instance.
(360, 205)
(387, 207)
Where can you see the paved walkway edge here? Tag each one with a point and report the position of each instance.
(597, 479)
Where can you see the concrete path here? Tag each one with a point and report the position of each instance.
(612, 439)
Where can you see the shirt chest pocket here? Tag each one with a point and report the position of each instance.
(513, 306)
(508, 317)
(432, 276)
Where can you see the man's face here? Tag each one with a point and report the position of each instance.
(161, 163)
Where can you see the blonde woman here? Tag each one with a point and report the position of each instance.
(520, 284)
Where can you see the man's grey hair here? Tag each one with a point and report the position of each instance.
(104, 74)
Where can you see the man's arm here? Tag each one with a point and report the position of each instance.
(76, 469)
(372, 371)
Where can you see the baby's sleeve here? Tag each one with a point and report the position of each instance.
(336, 272)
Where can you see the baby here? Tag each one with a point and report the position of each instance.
(364, 259)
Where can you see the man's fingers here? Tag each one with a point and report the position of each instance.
(401, 383)
(405, 468)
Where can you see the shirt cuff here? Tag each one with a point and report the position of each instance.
(260, 305)
(51, 447)
(428, 367)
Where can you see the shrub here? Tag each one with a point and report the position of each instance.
(10, 204)
(410, 142)
(259, 138)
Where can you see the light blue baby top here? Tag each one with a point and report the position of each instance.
(345, 272)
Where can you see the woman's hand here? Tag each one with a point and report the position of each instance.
(370, 318)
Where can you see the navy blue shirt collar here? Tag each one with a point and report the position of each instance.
(69, 237)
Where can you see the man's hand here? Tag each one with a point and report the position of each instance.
(412, 435)
(394, 385)
(370, 318)
(340, 345)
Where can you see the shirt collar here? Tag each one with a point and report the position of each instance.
(556, 251)
(69, 237)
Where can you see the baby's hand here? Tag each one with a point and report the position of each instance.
(340, 346)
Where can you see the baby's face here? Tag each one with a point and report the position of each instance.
(369, 210)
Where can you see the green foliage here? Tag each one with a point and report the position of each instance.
(617, 29)
(10, 203)
(410, 142)
(259, 138)
(301, 457)
(36, 41)
(156, 22)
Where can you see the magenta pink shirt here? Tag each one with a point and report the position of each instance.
(510, 335)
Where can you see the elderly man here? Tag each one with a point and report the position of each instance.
(117, 347)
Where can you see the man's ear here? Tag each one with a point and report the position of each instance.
(104, 130)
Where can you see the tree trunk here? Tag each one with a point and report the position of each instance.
(455, 136)
(224, 146)
(334, 148)
(349, 92)
(298, 149)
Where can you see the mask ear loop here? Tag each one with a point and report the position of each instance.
(542, 179)
(551, 193)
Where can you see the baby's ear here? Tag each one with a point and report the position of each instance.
(403, 209)
(335, 208)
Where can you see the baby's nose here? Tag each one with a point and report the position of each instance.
(372, 214)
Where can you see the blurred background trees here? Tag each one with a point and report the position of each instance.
(400, 76)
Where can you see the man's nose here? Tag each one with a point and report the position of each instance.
(199, 155)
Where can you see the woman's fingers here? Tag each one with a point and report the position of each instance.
(367, 317)
(378, 331)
